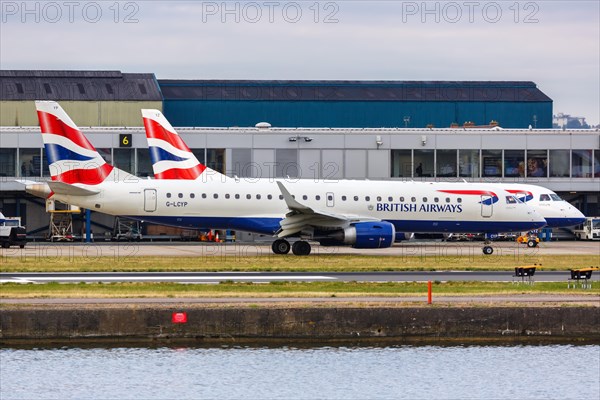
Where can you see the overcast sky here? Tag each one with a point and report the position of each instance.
(553, 43)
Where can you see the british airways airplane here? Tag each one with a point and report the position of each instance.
(362, 214)
(172, 159)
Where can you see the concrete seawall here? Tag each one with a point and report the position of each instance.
(38, 323)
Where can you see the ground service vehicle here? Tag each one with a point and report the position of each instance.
(11, 232)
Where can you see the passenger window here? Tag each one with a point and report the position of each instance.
(227, 195)
(355, 198)
(413, 199)
(390, 198)
(203, 195)
(436, 199)
(447, 199)
(343, 198)
(317, 197)
(168, 195)
(216, 196)
(424, 199)
(511, 200)
(192, 195)
(330, 197)
(248, 196)
(378, 198)
(270, 197)
(544, 197)
(180, 195)
(459, 200)
(237, 196)
(401, 199)
(367, 198)
(304, 197)
(280, 197)
(258, 196)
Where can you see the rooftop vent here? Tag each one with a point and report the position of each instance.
(263, 125)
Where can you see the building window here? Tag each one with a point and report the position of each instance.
(401, 163)
(31, 162)
(537, 163)
(142, 88)
(124, 159)
(514, 163)
(47, 88)
(8, 161)
(286, 163)
(596, 163)
(581, 163)
(109, 88)
(19, 89)
(144, 165)
(81, 88)
(559, 163)
(468, 163)
(215, 159)
(492, 163)
(446, 163)
(423, 163)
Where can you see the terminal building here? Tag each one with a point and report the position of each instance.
(431, 131)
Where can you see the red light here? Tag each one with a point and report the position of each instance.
(179, 317)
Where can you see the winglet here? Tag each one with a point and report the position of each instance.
(291, 202)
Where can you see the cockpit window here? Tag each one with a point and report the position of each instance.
(511, 200)
(545, 197)
(555, 197)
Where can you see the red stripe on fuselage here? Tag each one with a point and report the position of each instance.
(92, 176)
(50, 124)
(471, 192)
(155, 130)
(181, 173)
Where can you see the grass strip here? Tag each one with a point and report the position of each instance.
(280, 289)
(288, 263)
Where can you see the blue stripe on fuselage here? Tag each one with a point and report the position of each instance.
(269, 226)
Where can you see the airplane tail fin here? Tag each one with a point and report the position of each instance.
(171, 157)
(71, 157)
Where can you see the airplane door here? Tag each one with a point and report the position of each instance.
(487, 206)
(330, 199)
(150, 200)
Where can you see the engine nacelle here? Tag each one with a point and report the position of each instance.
(363, 235)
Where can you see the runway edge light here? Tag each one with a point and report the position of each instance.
(179, 318)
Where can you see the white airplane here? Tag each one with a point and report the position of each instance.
(173, 159)
(363, 214)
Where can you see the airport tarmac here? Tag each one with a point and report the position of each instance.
(203, 249)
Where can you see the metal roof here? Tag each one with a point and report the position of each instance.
(21, 85)
(246, 90)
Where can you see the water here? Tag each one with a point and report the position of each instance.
(402, 372)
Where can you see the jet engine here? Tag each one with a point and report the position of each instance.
(363, 235)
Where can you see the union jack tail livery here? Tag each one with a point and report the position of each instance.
(171, 158)
(71, 157)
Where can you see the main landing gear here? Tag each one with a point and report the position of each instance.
(487, 249)
(299, 248)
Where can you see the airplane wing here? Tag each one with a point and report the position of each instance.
(304, 218)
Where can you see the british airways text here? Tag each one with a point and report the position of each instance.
(430, 208)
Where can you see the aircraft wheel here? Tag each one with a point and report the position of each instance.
(487, 250)
(531, 243)
(5, 245)
(280, 246)
(301, 248)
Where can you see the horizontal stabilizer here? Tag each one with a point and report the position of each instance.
(70, 190)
